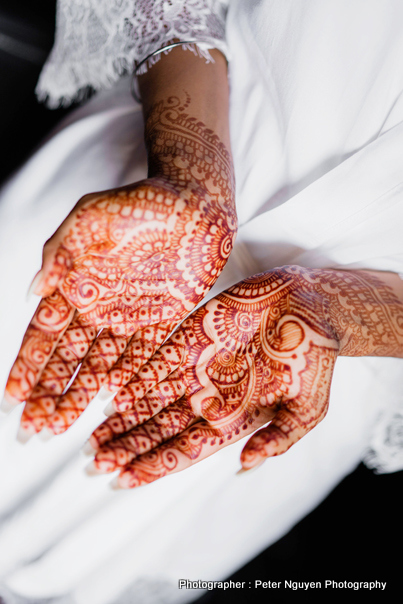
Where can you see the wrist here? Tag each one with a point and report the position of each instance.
(185, 106)
(203, 86)
(365, 311)
(187, 154)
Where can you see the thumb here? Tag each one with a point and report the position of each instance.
(56, 263)
(58, 252)
(285, 430)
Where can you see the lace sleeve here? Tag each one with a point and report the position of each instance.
(98, 41)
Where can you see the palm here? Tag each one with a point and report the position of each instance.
(140, 248)
(262, 351)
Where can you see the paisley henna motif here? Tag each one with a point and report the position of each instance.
(132, 262)
(263, 351)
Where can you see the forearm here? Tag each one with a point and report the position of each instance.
(185, 106)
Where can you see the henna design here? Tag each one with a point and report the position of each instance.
(263, 351)
(132, 262)
(71, 350)
(145, 437)
(48, 324)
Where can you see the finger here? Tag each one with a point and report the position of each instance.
(159, 397)
(168, 423)
(142, 346)
(287, 428)
(297, 416)
(56, 263)
(59, 252)
(105, 351)
(163, 363)
(193, 445)
(70, 351)
(50, 321)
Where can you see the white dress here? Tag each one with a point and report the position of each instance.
(317, 131)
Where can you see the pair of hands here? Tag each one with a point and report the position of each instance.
(124, 268)
(127, 266)
(120, 274)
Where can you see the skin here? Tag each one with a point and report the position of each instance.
(127, 265)
(262, 351)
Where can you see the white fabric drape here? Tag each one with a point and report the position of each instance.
(317, 132)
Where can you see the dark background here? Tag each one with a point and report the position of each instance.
(355, 534)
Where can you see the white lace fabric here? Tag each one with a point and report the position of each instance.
(98, 41)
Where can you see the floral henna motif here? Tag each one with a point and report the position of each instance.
(132, 262)
(263, 351)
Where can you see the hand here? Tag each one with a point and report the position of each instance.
(124, 269)
(263, 351)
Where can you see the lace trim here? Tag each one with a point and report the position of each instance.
(385, 453)
(98, 41)
(196, 49)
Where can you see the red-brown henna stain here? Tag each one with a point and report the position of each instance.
(133, 262)
(48, 324)
(262, 351)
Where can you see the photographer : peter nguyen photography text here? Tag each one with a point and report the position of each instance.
(288, 584)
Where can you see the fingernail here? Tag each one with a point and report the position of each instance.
(114, 484)
(88, 450)
(7, 406)
(92, 470)
(45, 434)
(105, 394)
(24, 435)
(109, 409)
(32, 287)
(111, 388)
(249, 470)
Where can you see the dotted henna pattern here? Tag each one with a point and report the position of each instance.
(262, 351)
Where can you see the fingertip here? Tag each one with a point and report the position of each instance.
(8, 404)
(25, 434)
(124, 480)
(44, 291)
(34, 288)
(254, 452)
(249, 469)
(109, 409)
(56, 264)
(88, 450)
(45, 434)
(115, 485)
(92, 469)
(268, 442)
(104, 394)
